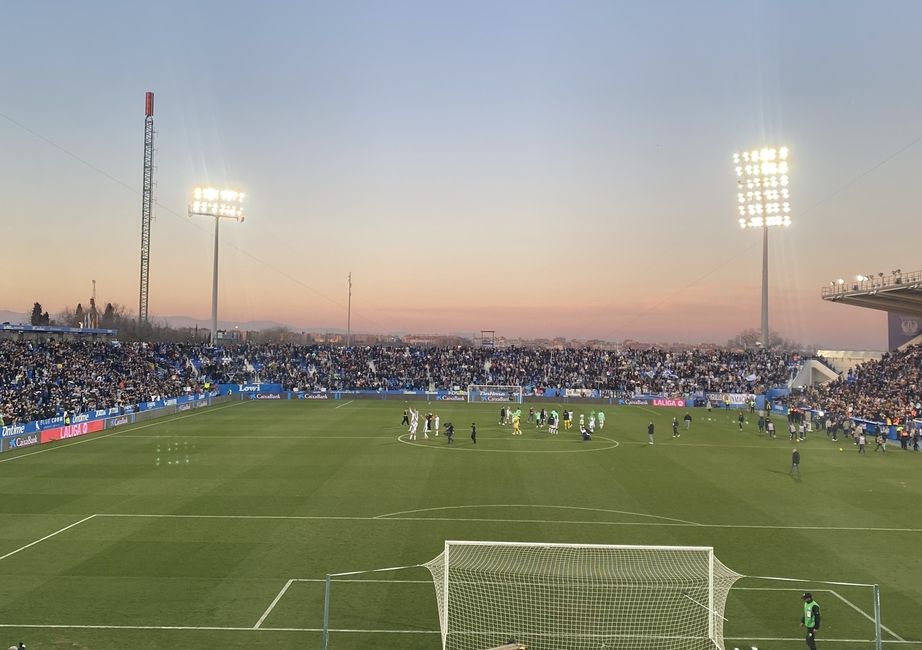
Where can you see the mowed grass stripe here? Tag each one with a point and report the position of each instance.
(317, 479)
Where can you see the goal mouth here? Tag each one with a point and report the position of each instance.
(580, 596)
(496, 393)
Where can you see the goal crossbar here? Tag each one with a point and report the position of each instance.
(641, 547)
(554, 595)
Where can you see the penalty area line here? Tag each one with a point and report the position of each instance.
(49, 536)
(207, 628)
(272, 605)
(865, 614)
(501, 520)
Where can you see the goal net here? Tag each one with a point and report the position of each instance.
(580, 596)
(494, 393)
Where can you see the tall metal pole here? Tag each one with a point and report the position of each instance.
(214, 286)
(878, 640)
(349, 314)
(147, 204)
(764, 287)
(327, 583)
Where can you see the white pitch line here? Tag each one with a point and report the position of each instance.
(472, 448)
(837, 595)
(342, 405)
(390, 582)
(57, 532)
(272, 605)
(209, 628)
(248, 437)
(735, 588)
(800, 638)
(865, 614)
(92, 438)
(215, 628)
(64, 626)
(562, 522)
(420, 444)
(549, 507)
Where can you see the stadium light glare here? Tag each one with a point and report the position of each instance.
(763, 201)
(762, 186)
(212, 202)
(216, 204)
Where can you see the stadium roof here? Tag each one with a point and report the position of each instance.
(897, 292)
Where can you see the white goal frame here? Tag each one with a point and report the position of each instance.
(495, 393)
(712, 608)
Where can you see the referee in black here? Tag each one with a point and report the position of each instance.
(795, 463)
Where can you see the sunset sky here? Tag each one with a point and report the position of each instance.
(534, 168)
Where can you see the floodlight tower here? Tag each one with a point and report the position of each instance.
(763, 201)
(217, 204)
(147, 203)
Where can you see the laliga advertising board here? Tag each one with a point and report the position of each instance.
(72, 430)
(668, 402)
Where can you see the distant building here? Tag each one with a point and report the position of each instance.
(20, 331)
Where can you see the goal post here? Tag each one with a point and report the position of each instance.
(543, 596)
(580, 596)
(494, 393)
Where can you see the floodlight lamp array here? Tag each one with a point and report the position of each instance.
(211, 201)
(763, 197)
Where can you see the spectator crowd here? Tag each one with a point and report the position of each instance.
(40, 379)
(889, 390)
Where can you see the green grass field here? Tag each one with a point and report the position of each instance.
(184, 531)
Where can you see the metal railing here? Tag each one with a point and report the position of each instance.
(871, 283)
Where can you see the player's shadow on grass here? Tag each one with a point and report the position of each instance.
(796, 477)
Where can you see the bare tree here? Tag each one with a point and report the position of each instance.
(751, 338)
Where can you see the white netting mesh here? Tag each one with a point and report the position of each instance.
(494, 393)
(580, 597)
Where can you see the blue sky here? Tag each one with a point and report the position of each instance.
(537, 168)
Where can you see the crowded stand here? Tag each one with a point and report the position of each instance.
(43, 379)
(40, 379)
(888, 391)
(46, 378)
(407, 368)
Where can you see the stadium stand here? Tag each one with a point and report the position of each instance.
(889, 390)
(40, 379)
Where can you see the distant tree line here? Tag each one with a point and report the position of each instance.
(118, 317)
(752, 338)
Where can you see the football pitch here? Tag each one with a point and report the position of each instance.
(215, 528)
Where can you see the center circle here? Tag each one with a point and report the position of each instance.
(435, 443)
